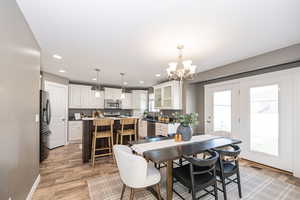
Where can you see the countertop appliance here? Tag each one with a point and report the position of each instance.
(112, 104)
(45, 118)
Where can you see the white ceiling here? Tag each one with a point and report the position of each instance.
(139, 37)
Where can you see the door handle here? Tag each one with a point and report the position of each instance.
(63, 119)
(208, 121)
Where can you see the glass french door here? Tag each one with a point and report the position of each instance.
(266, 120)
(259, 111)
(221, 109)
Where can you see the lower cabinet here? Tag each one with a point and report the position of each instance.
(143, 126)
(165, 129)
(75, 131)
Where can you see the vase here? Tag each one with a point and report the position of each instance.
(185, 131)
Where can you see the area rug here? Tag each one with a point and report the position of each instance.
(256, 185)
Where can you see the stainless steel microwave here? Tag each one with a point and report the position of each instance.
(112, 104)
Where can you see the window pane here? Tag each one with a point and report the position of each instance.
(222, 111)
(264, 119)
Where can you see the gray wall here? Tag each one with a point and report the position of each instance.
(281, 59)
(19, 103)
(284, 55)
(53, 78)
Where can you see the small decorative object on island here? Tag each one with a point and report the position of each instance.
(178, 137)
(186, 121)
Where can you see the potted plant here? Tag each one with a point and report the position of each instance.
(186, 122)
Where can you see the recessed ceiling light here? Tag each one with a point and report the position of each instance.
(62, 71)
(94, 79)
(157, 75)
(142, 82)
(56, 56)
(125, 83)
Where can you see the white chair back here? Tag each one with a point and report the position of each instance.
(132, 168)
(221, 133)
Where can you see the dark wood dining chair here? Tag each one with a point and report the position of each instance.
(198, 175)
(227, 167)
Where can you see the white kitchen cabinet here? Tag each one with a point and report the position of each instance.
(165, 129)
(127, 101)
(168, 95)
(140, 100)
(74, 96)
(82, 96)
(112, 93)
(96, 102)
(143, 126)
(75, 131)
(86, 96)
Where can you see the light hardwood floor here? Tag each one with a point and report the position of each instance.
(64, 176)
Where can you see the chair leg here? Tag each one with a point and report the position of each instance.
(93, 151)
(216, 191)
(123, 190)
(224, 187)
(117, 139)
(121, 139)
(131, 194)
(130, 138)
(109, 144)
(158, 191)
(239, 182)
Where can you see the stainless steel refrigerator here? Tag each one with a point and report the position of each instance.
(45, 119)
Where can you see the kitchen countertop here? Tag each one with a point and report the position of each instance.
(156, 121)
(92, 118)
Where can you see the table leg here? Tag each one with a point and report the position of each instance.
(170, 180)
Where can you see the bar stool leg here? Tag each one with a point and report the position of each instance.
(121, 139)
(117, 139)
(93, 150)
(130, 138)
(109, 144)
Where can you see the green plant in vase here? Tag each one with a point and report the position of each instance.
(186, 122)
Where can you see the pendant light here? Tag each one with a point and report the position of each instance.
(122, 88)
(98, 87)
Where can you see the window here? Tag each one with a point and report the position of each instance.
(264, 119)
(222, 111)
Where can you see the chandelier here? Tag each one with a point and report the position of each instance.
(182, 69)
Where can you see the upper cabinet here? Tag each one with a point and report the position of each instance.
(140, 100)
(81, 96)
(127, 101)
(112, 93)
(74, 96)
(168, 95)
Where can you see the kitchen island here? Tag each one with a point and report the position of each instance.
(87, 132)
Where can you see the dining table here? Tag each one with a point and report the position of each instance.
(161, 150)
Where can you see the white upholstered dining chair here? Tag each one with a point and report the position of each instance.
(134, 171)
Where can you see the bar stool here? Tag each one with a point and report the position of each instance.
(99, 133)
(130, 131)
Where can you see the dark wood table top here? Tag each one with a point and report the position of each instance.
(176, 152)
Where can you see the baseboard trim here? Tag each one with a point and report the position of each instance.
(33, 188)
